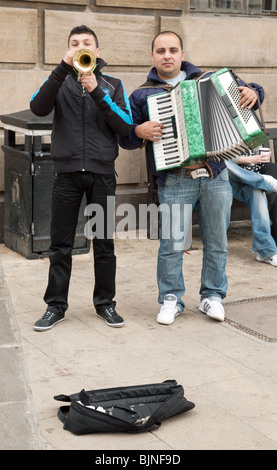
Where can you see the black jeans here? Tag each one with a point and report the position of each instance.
(68, 191)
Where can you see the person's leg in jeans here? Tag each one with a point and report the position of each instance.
(241, 175)
(263, 242)
(180, 194)
(213, 210)
(271, 169)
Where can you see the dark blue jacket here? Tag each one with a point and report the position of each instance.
(138, 102)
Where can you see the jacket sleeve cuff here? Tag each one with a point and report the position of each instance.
(62, 69)
(97, 94)
(135, 138)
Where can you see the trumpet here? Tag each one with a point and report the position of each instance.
(84, 61)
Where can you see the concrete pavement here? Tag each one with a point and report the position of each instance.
(227, 369)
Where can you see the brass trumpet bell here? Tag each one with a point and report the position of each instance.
(84, 61)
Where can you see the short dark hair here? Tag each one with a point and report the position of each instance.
(83, 29)
(167, 32)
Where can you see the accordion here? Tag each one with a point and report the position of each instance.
(202, 119)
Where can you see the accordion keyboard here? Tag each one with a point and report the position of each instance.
(167, 150)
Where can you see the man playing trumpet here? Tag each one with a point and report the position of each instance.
(89, 112)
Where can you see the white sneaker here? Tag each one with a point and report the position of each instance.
(272, 181)
(270, 260)
(168, 311)
(213, 309)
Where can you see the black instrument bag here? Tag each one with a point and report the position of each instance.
(131, 409)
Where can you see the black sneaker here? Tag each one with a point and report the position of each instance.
(111, 317)
(48, 320)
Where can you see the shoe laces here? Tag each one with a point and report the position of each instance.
(169, 309)
(110, 311)
(207, 306)
(48, 315)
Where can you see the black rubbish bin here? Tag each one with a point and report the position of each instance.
(28, 187)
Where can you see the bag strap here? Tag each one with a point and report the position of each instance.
(61, 413)
(170, 402)
(62, 398)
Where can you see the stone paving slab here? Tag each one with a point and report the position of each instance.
(257, 317)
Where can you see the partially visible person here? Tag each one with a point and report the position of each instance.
(88, 116)
(210, 193)
(259, 161)
(251, 188)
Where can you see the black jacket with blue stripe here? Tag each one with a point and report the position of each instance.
(85, 125)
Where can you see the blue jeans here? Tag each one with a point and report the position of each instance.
(249, 187)
(212, 200)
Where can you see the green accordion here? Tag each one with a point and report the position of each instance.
(202, 120)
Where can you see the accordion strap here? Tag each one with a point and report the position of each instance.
(167, 86)
(202, 75)
(153, 84)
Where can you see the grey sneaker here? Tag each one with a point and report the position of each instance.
(111, 317)
(48, 320)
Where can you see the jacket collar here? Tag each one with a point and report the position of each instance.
(190, 69)
(100, 63)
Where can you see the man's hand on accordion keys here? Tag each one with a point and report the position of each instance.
(248, 97)
(150, 130)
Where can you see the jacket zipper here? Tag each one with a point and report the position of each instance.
(83, 129)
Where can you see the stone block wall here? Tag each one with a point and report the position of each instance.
(33, 35)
